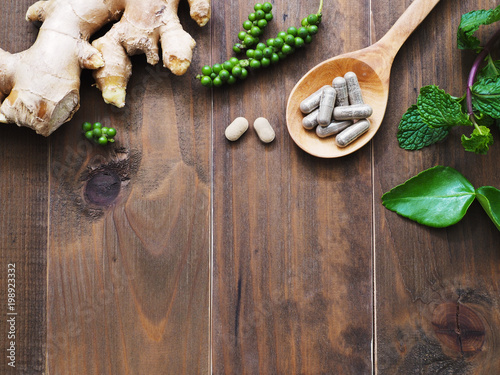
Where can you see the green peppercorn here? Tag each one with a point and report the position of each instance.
(302, 32)
(282, 35)
(234, 61)
(236, 71)
(290, 39)
(312, 19)
(86, 126)
(244, 73)
(255, 64)
(206, 70)
(224, 75)
(265, 62)
(299, 42)
(255, 31)
(278, 42)
(292, 31)
(206, 81)
(111, 132)
(267, 7)
(267, 52)
(313, 29)
(216, 68)
(217, 82)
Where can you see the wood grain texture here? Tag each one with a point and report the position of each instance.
(23, 221)
(176, 251)
(128, 268)
(292, 246)
(436, 289)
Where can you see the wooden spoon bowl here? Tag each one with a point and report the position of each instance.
(372, 65)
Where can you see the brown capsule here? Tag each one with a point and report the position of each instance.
(353, 88)
(340, 85)
(310, 103)
(352, 133)
(311, 120)
(332, 129)
(352, 112)
(326, 105)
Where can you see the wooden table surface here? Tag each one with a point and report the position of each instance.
(177, 252)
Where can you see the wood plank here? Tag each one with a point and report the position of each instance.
(23, 222)
(292, 233)
(437, 290)
(129, 248)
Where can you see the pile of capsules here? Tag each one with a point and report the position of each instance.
(338, 110)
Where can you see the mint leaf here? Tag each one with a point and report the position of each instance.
(479, 141)
(437, 197)
(437, 108)
(490, 70)
(486, 96)
(489, 197)
(414, 133)
(470, 23)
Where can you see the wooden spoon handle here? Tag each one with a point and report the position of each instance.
(405, 25)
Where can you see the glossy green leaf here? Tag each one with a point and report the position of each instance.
(489, 197)
(437, 197)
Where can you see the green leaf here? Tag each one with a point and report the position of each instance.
(414, 133)
(437, 197)
(437, 108)
(470, 23)
(490, 70)
(479, 141)
(489, 197)
(486, 96)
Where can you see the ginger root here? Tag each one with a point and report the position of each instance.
(39, 87)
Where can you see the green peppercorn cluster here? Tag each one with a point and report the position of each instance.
(259, 55)
(99, 134)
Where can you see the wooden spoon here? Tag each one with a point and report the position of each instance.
(372, 66)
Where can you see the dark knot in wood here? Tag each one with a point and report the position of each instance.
(459, 328)
(103, 188)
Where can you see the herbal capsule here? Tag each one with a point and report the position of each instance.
(352, 133)
(332, 129)
(352, 112)
(340, 85)
(311, 120)
(236, 129)
(353, 88)
(326, 105)
(264, 130)
(310, 103)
